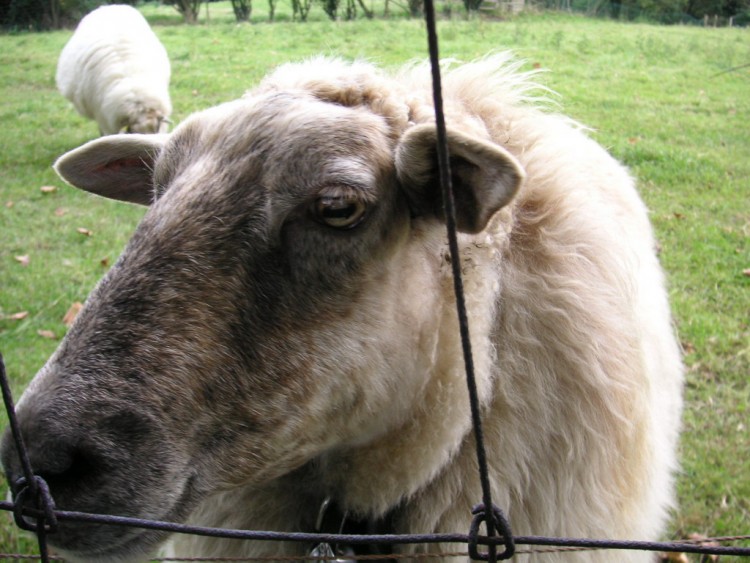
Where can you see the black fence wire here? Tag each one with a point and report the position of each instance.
(41, 519)
(34, 508)
(487, 512)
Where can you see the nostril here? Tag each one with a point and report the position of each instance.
(65, 465)
(65, 469)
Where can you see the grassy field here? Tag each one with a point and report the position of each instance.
(657, 97)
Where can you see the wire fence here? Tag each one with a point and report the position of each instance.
(34, 508)
(633, 12)
(45, 516)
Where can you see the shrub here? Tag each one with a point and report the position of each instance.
(38, 15)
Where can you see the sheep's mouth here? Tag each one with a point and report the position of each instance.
(133, 545)
(118, 539)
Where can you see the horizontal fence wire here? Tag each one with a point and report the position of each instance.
(691, 546)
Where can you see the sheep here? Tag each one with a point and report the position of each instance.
(116, 71)
(280, 332)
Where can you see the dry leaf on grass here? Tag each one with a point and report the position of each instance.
(18, 316)
(60, 211)
(72, 313)
(48, 189)
(746, 272)
(9, 204)
(703, 540)
(104, 262)
(23, 260)
(85, 231)
(47, 334)
(672, 557)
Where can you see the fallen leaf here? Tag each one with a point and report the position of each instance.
(746, 272)
(72, 313)
(673, 557)
(678, 215)
(48, 189)
(18, 316)
(104, 261)
(47, 334)
(703, 540)
(23, 260)
(85, 231)
(633, 140)
(60, 211)
(537, 65)
(9, 204)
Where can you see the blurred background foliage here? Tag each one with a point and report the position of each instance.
(38, 15)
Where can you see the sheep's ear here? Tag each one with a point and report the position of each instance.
(485, 176)
(116, 166)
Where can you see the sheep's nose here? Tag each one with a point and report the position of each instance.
(86, 452)
(56, 461)
(60, 460)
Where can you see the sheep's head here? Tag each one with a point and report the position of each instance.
(146, 118)
(270, 307)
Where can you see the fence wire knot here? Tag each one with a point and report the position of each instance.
(501, 526)
(34, 498)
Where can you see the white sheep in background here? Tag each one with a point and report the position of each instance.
(116, 71)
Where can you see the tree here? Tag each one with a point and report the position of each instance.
(472, 5)
(369, 12)
(188, 8)
(331, 7)
(301, 8)
(242, 9)
(725, 8)
(41, 15)
(662, 10)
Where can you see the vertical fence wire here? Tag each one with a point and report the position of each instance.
(493, 518)
(29, 484)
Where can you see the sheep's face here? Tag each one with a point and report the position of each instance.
(262, 314)
(146, 122)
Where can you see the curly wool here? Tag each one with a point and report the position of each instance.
(116, 71)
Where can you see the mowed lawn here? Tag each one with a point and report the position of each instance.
(662, 99)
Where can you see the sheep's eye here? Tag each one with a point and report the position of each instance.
(340, 212)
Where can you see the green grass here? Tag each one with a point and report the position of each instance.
(653, 95)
